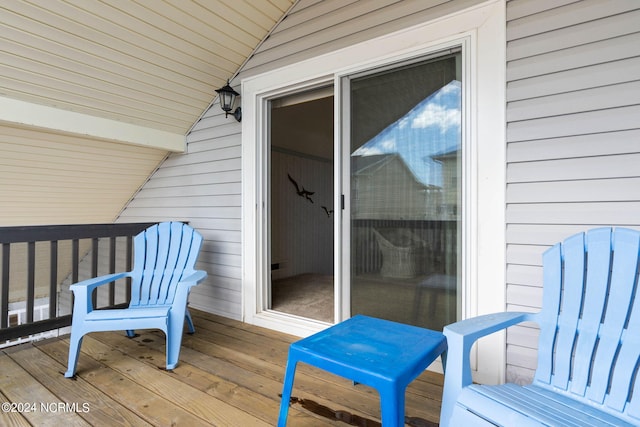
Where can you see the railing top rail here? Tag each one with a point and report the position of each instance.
(39, 233)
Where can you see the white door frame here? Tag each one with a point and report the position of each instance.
(482, 29)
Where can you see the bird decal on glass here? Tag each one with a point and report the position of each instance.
(301, 192)
(327, 211)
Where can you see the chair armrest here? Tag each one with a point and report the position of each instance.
(91, 284)
(194, 278)
(82, 291)
(179, 307)
(185, 285)
(480, 326)
(460, 338)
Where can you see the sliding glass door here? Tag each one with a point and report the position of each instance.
(400, 218)
(403, 125)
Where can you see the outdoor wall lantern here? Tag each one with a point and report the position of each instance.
(227, 98)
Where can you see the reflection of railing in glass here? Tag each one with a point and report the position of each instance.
(403, 252)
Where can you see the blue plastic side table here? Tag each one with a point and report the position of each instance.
(382, 354)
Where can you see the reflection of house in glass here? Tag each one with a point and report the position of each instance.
(449, 202)
(410, 170)
(384, 187)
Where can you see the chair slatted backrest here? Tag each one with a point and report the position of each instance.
(589, 345)
(163, 255)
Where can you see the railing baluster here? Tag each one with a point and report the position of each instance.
(112, 269)
(94, 268)
(31, 279)
(75, 260)
(30, 235)
(6, 257)
(129, 265)
(53, 280)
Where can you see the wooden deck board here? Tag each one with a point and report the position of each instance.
(230, 374)
(102, 410)
(29, 396)
(9, 418)
(154, 408)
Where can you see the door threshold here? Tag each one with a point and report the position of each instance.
(288, 323)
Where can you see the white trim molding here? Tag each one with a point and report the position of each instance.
(55, 119)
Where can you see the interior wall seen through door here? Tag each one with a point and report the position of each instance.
(302, 211)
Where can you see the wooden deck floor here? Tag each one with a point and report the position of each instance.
(230, 374)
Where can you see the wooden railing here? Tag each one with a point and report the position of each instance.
(28, 267)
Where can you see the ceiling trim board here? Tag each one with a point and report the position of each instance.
(42, 116)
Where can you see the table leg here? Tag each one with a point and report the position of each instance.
(290, 372)
(392, 406)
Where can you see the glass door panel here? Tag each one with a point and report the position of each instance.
(405, 191)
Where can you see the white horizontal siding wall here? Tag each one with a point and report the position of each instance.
(315, 27)
(573, 154)
(203, 185)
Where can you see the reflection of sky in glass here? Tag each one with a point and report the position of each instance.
(431, 128)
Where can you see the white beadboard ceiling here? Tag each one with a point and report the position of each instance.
(137, 71)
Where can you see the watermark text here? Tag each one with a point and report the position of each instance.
(45, 407)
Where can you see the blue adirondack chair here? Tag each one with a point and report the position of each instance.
(588, 349)
(162, 276)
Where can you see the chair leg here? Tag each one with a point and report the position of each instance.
(173, 351)
(75, 342)
(173, 334)
(289, 375)
(190, 327)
